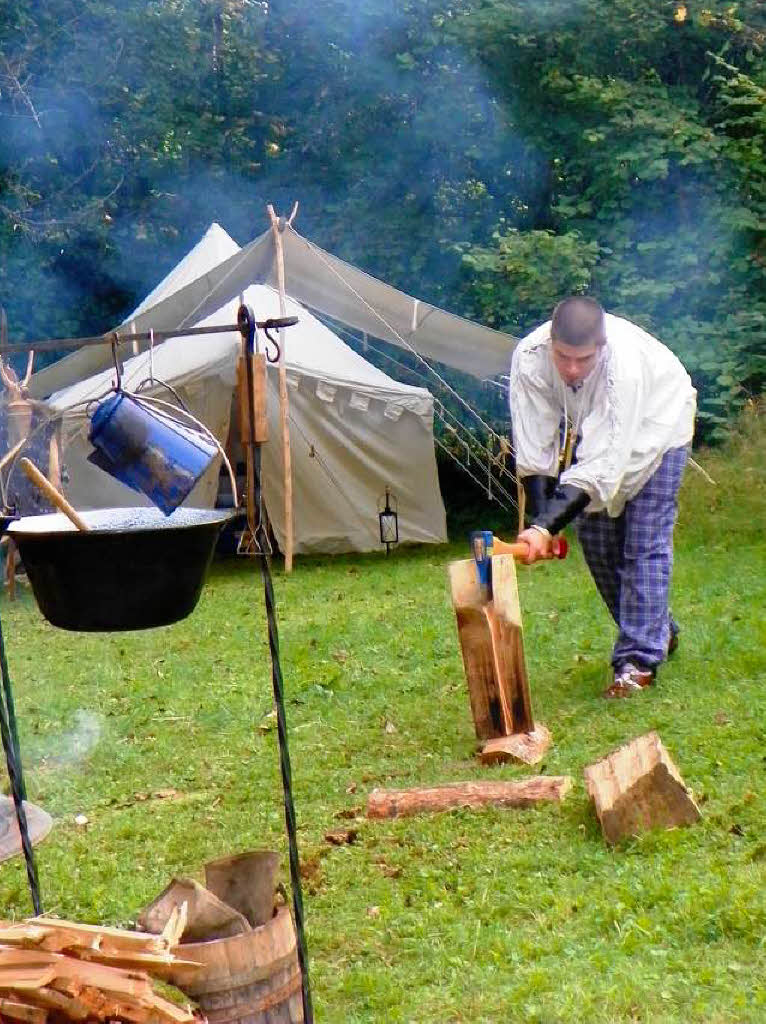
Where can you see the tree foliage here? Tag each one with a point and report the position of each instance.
(489, 155)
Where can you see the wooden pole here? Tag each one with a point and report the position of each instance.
(287, 471)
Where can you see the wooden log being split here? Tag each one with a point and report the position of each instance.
(637, 787)
(491, 642)
(400, 803)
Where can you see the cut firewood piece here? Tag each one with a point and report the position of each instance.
(12, 1010)
(170, 1011)
(156, 964)
(246, 881)
(18, 977)
(49, 998)
(117, 938)
(520, 747)
(491, 643)
(15, 1011)
(99, 1004)
(398, 803)
(21, 934)
(207, 916)
(12, 956)
(71, 976)
(175, 925)
(637, 787)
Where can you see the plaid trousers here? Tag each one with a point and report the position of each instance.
(630, 558)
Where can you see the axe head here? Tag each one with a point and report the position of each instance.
(481, 549)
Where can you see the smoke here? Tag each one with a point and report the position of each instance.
(66, 749)
(372, 115)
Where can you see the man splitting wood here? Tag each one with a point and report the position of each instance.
(627, 408)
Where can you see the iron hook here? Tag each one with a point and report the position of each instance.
(117, 366)
(275, 343)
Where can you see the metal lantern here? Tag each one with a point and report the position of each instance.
(388, 519)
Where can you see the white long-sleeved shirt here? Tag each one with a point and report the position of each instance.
(636, 404)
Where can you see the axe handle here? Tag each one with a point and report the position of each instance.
(518, 549)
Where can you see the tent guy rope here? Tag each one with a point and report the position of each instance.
(403, 341)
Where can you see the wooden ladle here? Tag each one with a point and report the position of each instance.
(43, 484)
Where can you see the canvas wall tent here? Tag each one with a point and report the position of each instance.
(353, 429)
(316, 279)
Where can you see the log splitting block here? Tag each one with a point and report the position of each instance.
(486, 602)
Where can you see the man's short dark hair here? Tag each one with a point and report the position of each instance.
(578, 320)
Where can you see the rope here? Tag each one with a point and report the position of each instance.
(481, 484)
(405, 344)
(444, 410)
(703, 472)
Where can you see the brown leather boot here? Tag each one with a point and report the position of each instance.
(630, 679)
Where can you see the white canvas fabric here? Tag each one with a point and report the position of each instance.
(314, 278)
(353, 430)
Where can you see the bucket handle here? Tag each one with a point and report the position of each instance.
(149, 400)
(117, 366)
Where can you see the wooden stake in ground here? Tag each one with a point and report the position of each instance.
(400, 803)
(492, 645)
(637, 787)
(277, 227)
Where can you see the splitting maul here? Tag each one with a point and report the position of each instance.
(484, 545)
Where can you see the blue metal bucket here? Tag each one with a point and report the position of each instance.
(147, 450)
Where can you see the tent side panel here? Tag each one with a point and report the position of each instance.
(343, 458)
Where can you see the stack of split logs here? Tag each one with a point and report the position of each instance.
(225, 946)
(54, 971)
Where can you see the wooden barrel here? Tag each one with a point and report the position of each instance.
(251, 978)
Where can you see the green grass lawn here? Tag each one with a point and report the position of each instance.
(165, 741)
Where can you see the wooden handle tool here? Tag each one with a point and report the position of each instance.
(519, 549)
(43, 484)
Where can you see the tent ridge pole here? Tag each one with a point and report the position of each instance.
(276, 228)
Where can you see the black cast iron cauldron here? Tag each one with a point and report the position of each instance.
(134, 569)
